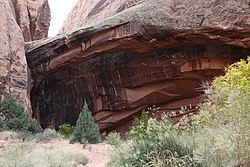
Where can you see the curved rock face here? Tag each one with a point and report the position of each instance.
(177, 14)
(93, 11)
(16, 19)
(146, 53)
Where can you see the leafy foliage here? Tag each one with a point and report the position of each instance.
(113, 138)
(138, 130)
(14, 117)
(160, 145)
(66, 130)
(237, 77)
(86, 129)
(46, 135)
(217, 136)
(227, 110)
(8, 135)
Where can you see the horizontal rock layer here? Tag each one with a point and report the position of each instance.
(150, 53)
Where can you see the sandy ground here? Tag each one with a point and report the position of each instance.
(96, 153)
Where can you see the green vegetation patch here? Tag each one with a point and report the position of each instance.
(218, 136)
(66, 130)
(14, 117)
(86, 130)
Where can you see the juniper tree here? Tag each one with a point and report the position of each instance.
(86, 130)
(14, 117)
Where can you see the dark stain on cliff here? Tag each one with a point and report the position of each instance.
(104, 80)
(121, 8)
(97, 8)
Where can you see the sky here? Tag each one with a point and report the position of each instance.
(59, 11)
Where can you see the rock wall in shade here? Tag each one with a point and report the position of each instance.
(127, 57)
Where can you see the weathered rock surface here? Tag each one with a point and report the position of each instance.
(13, 66)
(14, 76)
(33, 17)
(148, 53)
(93, 11)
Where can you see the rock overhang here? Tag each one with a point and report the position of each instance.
(133, 60)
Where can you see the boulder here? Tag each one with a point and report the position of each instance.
(131, 55)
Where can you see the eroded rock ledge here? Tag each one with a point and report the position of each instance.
(142, 56)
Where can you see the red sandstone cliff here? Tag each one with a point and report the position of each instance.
(33, 17)
(129, 55)
(21, 20)
(94, 11)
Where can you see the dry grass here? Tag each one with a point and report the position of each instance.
(34, 155)
(52, 152)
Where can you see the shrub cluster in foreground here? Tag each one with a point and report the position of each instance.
(218, 136)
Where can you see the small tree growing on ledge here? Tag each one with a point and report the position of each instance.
(86, 130)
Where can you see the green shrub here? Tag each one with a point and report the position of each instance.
(16, 135)
(86, 129)
(113, 138)
(138, 130)
(46, 135)
(15, 118)
(227, 111)
(237, 77)
(215, 147)
(8, 135)
(66, 130)
(217, 136)
(161, 144)
(25, 135)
